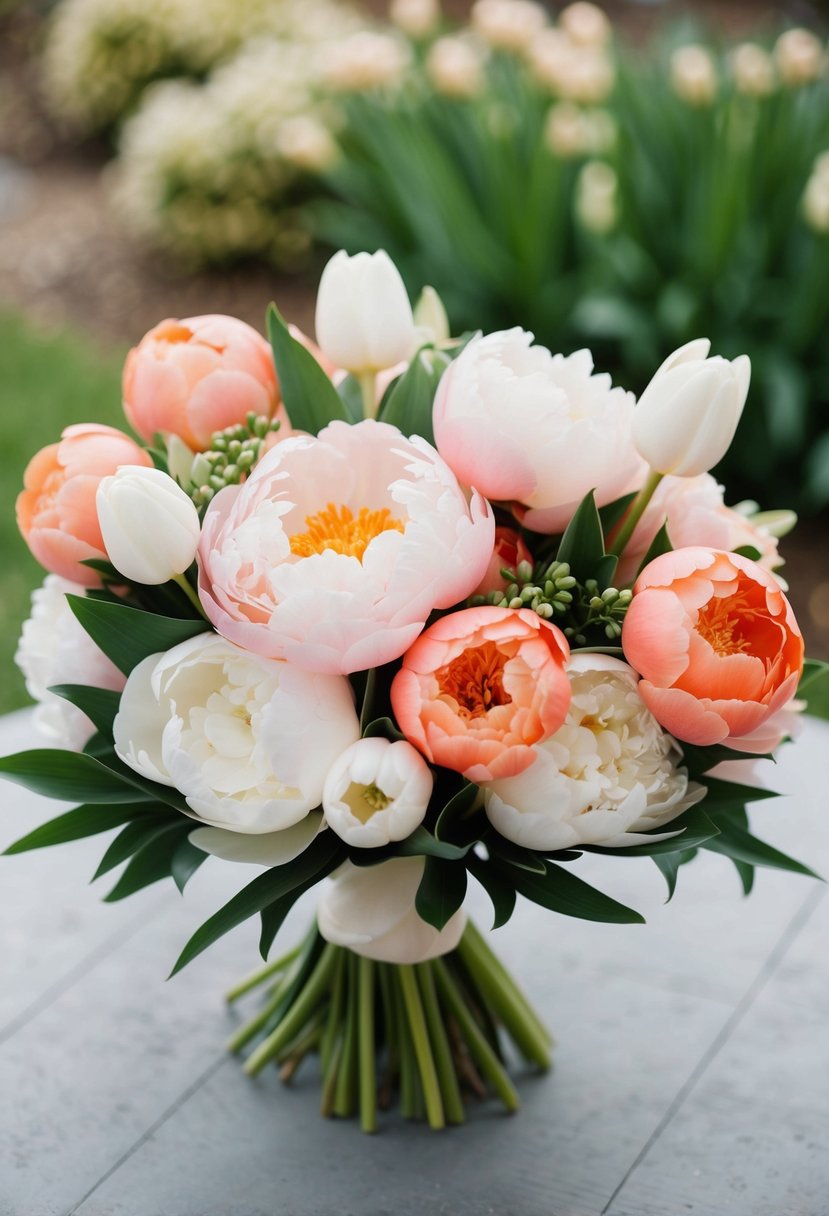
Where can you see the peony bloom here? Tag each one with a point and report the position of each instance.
(717, 646)
(56, 511)
(521, 424)
(336, 549)
(509, 552)
(376, 792)
(609, 773)
(193, 377)
(480, 687)
(688, 414)
(150, 526)
(248, 741)
(54, 648)
(371, 910)
(364, 319)
(696, 514)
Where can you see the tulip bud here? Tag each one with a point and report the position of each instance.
(149, 525)
(376, 792)
(430, 317)
(364, 319)
(687, 416)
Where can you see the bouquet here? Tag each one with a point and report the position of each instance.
(393, 612)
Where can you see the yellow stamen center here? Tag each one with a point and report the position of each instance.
(720, 622)
(475, 680)
(364, 800)
(338, 529)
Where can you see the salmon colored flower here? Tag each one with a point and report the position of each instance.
(193, 377)
(480, 687)
(508, 553)
(336, 549)
(56, 511)
(717, 646)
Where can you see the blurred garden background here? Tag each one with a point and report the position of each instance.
(623, 176)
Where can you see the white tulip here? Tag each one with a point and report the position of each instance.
(376, 792)
(799, 56)
(364, 319)
(688, 414)
(455, 66)
(694, 75)
(371, 910)
(417, 18)
(248, 741)
(430, 317)
(149, 525)
(753, 70)
(585, 24)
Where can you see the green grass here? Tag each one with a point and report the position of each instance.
(46, 383)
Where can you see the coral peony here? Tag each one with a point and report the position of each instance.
(336, 549)
(480, 687)
(717, 646)
(193, 377)
(56, 511)
(536, 429)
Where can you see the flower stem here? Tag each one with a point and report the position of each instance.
(444, 1064)
(423, 1051)
(182, 582)
(333, 1023)
(479, 1048)
(368, 1079)
(368, 389)
(636, 511)
(297, 1015)
(344, 1090)
(258, 977)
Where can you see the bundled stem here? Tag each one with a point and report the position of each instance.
(432, 1032)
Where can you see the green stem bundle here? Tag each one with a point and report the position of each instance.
(429, 1031)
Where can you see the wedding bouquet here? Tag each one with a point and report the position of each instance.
(395, 611)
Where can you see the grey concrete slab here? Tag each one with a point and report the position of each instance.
(116, 1097)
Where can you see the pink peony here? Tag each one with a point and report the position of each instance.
(337, 548)
(480, 687)
(193, 377)
(696, 514)
(534, 429)
(56, 511)
(717, 645)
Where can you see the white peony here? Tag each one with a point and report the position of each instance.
(54, 648)
(607, 775)
(371, 910)
(247, 740)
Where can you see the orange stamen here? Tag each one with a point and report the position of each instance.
(475, 680)
(338, 529)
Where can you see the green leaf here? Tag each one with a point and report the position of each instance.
(694, 829)
(185, 861)
(524, 859)
(753, 555)
(441, 891)
(151, 862)
(351, 395)
(582, 545)
(814, 688)
(700, 760)
(383, 728)
(409, 406)
(660, 544)
(322, 856)
(612, 513)
(422, 843)
(309, 396)
(128, 635)
(69, 776)
(81, 821)
(724, 796)
(738, 844)
(376, 696)
(132, 838)
(99, 704)
(746, 874)
(669, 865)
(457, 813)
(561, 891)
(273, 916)
(499, 889)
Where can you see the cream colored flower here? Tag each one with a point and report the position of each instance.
(753, 70)
(596, 201)
(455, 65)
(799, 56)
(417, 18)
(376, 792)
(508, 25)
(694, 75)
(606, 776)
(307, 143)
(585, 24)
(365, 60)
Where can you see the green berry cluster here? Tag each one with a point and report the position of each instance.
(230, 457)
(586, 614)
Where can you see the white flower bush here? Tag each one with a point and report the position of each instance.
(54, 648)
(247, 740)
(606, 776)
